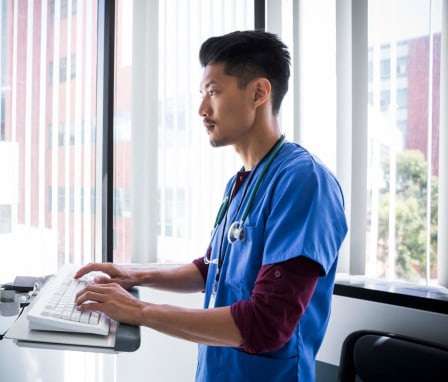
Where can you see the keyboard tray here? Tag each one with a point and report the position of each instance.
(122, 337)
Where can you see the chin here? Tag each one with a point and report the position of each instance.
(216, 140)
(213, 141)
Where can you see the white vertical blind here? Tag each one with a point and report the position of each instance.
(192, 175)
(189, 176)
(49, 91)
(344, 124)
(144, 134)
(443, 149)
(55, 165)
(43, 81)
(77, 123)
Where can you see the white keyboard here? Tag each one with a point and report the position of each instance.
(54, 307)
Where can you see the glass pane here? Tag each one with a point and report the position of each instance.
(189, 176)
(404, 77)
(47, 139)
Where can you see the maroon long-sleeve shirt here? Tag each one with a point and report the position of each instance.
(279, 298)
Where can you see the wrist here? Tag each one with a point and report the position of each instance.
(144, 277)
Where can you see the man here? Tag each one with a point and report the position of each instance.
(269, 271)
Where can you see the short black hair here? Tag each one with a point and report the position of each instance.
(248, 55)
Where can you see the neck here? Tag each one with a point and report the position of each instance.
(252, 153)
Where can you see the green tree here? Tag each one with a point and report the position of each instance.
(410, 216)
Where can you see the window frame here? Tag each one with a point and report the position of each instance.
(144, 239)
(351, 99)
(352, 104)
(104, 241)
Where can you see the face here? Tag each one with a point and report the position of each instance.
(228, 111)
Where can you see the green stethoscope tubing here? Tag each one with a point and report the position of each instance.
(226, 202)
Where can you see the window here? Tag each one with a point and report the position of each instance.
(402, 218)
(402, 99)
(62, 77)
(402, 66)
(63, 69)
(173, 179)
(47, 154)
(382, 133)
(394, 232)
(5, 219)
(385, 100)
(385, 68)
(63, 7)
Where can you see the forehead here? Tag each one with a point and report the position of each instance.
(214, 75)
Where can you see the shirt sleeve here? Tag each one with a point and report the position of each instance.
(203, 268)
(280, 296)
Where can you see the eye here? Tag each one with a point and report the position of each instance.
(209, 93)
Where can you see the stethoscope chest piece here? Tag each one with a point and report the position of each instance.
(236, 232)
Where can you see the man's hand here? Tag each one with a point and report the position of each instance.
(112, 300)
(115, 274)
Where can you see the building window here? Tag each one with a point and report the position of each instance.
(385, 69)
(402, 66)
(402, 98)
(5, 219)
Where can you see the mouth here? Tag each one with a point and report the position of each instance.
(209, 125)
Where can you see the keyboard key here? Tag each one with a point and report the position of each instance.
(56, 314)
(76, 316)
(94, 318)
(66, 315)
(85, 317)
(54, 308)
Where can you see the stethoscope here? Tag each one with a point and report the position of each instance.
(236, 231)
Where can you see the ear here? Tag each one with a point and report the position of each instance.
(262, 91)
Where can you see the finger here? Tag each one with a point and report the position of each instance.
(85, 269)
(95, 292)
(89, 288)
(89, 296)
(90, 307)
(92, 267)
(101, 280)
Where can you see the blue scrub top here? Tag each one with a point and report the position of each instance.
(298, 211)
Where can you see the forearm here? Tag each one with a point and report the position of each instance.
(214, 327)
(186, 278)
(206, 326)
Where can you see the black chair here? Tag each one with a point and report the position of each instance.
(374, 356)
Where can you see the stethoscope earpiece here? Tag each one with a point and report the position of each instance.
(236, 232)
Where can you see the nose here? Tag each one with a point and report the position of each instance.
(204, 108)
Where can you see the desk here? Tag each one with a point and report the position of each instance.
(160, 358)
